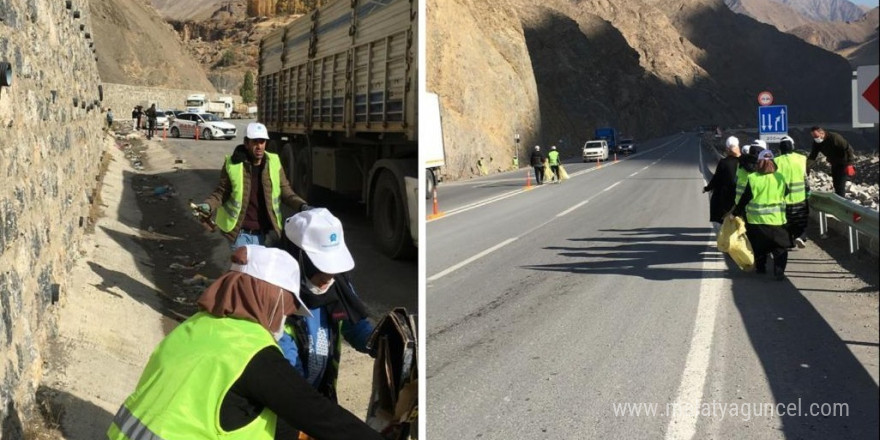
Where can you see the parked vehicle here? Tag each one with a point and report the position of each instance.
(221, 107)
(195, 103)
(595, 150)
(609, 135)
(207, 125)
(627, 146)
(350, 127)
(431, 141)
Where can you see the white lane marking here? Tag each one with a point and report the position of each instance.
(572, 208)
(478, 204)
(634, 174)
(683, 422)
(612, 186)
(472, 259)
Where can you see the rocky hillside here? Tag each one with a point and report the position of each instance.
(555, 70)
(136, 46)
(856, 40)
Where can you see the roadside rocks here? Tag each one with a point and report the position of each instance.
(863, 188)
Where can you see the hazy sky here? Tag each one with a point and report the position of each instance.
(868, 3)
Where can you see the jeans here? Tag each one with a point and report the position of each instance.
(246, 238)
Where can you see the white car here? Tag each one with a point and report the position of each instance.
(207, 125)
(595, 150)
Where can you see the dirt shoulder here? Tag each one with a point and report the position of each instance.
(139, 276)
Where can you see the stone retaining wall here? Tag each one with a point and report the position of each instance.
(52, 144)
(123, 98)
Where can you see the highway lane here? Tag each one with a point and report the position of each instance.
(382, 283)
(549, 307)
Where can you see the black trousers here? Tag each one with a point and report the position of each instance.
(797, 215)
(768, 239)
(838, 178)
(539, 174)
(555, 169)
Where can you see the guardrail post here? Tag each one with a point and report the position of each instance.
(823, 224)
(853, 239)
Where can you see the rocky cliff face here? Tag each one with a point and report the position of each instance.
(558, 69)
(50, 123)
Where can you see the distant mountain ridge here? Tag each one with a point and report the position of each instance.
(789, 14)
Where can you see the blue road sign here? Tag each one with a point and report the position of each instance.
(773, 119)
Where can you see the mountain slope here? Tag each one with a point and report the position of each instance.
(137, 47)
(646, 67)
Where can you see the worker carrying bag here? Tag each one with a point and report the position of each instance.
(393, 408)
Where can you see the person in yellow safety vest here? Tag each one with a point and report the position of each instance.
(793, 167)
(482, 165)
(221, 375)
(553, 159)
(252, 187)
(748, 160)
(763, 205)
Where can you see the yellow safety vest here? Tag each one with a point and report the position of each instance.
(553, 156)
(188, 375)
(767, 206)
(742, 176)
(793, 168)
(228, 214)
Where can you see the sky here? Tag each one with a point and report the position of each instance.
(868, 3)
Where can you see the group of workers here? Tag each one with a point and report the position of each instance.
(770, 191)
(538, 162)
(260, 358)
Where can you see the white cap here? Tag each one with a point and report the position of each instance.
(732, 141)
(256, 130)
(276, 267)
(765, 154)
(745, 149)
(553, 147)
(537, 147)
(319, 234)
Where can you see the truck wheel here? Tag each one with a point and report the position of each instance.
(175, 132)
(206, 134)
(389, 219)
(429, 183)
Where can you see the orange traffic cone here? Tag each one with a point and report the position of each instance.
(615, 157)
(437, 213)
(197, 132)
(164, 134)
(528, 178)
(599, 162)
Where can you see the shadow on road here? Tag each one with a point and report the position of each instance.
(90, 421)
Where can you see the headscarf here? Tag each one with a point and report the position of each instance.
(239, 295)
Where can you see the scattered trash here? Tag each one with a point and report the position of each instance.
(197, 279)
(159, 190)
(177, 266)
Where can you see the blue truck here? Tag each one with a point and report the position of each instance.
(609, 135)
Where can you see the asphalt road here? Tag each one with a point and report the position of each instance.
(552, 309)
(382, 283)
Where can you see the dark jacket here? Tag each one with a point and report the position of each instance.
(224, 190)
(723, 187)
(537, 159)
(836, 149)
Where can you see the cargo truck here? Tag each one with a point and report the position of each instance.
(221, 107)
(609, 135)
(337, 90)
(431, 141)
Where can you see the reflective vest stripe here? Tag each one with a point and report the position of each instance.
(131, 427)
(275, 176)
(228, 217)
(767, 206)
(793, 168)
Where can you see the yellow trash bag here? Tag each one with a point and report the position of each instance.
(563, 175)
(733, 240)
(548, 173)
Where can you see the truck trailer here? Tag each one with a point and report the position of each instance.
(337, 90)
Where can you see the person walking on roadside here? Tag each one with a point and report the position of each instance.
(221, 374)
(136, 115)
(838, 152)
(793, 167)
(723, 183)
(151, 121)
(247, 200)
(748, 162)
(537, 162)
(109, 118)
(763, 205)
(553, 159)
(313, 344)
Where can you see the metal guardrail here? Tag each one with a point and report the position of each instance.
(857, 218)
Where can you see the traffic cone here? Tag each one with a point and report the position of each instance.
(615, 157)
(197, 132)
(599, 162)
(528, 178)
(436, 213)
(164, 134)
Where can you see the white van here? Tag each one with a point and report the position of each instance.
(595, 150)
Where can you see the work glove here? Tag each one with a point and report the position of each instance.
(850, 170)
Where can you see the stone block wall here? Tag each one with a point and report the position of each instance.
(52, 141)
